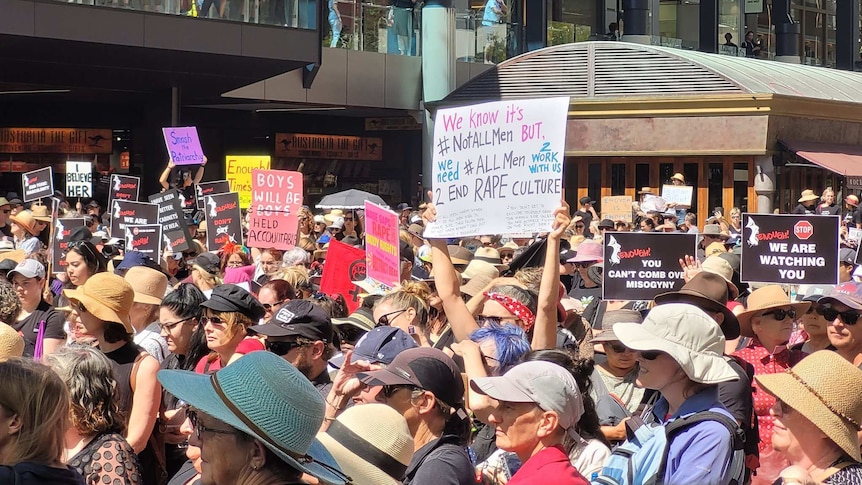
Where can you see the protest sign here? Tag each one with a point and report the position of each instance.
(124, 187)
(62, 229)
(617, 207)
(38, 184)
(274, 211)
(790, 249)
(131, 213)
(382, 245)
(641, 265)
(184, 147)
(498, 167)
(679, 194)
(344, 266)
(79, 179)
(210, 188)
(238, 174)
(224, 220)
(175, 232)
(145, 238)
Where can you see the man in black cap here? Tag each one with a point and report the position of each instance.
(587, 213)
(301, 333)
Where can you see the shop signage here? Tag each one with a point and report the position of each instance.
(145, 238)
(617, 207)
(344, 266)
(382, 245)
(790, 249)
(38, 184)
(274, 211)
(131, 213)
(753, 6)
(184, 147)
(176, 236)
(497, 167)
(338, 147)
(124, 187)
(853, 182)
(63, 228)
(238, 174)
(210, 188)
(79, 179)
(679, 194)
(639, 266)
(55, 140)
(224, 220)
(398, 123)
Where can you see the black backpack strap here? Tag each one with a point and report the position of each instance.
(677, 425)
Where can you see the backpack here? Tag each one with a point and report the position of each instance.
(642, 459)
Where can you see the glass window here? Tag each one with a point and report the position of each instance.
(641, 175)
(740, 185)
(715, 187)
(692, 178)
(618, 179)
(665, 172)
(594, 184)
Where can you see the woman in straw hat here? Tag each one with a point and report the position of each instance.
(768, 321)
(150, 286)
(807, 202)
(103, 304)
(818, 411)
(25, 228)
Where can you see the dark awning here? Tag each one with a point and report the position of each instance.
(842, 159)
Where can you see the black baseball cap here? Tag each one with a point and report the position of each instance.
(426, 368)
(403, 207)
(299, 318)
(586, 200)
(208, 261)
(406, 252)
(232, 298)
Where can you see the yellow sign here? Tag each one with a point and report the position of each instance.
(238, 169)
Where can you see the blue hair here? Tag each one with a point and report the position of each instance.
(510, 340)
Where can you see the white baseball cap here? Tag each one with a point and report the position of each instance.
(29, 268)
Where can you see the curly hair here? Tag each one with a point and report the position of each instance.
(229, 250)
(10, 305)
(88, 375)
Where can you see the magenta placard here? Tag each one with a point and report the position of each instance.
(184, 147)
(381, 245)
(276, 196)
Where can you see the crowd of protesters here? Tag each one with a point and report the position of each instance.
(494, 361)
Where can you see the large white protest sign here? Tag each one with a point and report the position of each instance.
(79, 179)
(678, 194)
(498, 167)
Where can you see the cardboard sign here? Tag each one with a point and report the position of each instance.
(790, 249)
(639, 266)
(382, 245)
(38, 184)
(238, 174)
(344, 265)
(210, 188)
(124, 187)
(175, 232)
(274, 211)
(63, 228)
(680, 194)
(617, 207)
(184, 147)
(145, 238)
(130, 213)
(498, 167)
(224, 220)
(79, 179)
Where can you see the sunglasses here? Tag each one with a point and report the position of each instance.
(620, 348)
(579, 226)
(781, 314)
(389, 391)
(282, 347)
(783, 407)
(385, 320)
(583, 265)
(213, 320)
(849, 317)
(650, 354)
(268, 307)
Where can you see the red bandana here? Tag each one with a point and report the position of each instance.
(515, 307)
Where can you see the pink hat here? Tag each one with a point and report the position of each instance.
(588, 251)
(243, 274)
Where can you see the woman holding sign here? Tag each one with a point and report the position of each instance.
(185, 184)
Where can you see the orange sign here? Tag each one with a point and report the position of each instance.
(337, 147)
(55, 140)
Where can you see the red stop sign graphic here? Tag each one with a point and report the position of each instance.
(803, 230)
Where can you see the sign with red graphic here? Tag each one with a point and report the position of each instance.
(641, 265)
(63, 228)
(175, 232)
(38, 184)
(124, 187)
(803, 230)
(145, 238)
(224, 220)
(210, 188)
(344, 265)
(131, 213)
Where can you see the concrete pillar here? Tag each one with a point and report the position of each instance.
(635, 21)
(764, 183)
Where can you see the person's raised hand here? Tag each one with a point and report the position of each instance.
(171, 164)
(562, 219)
(430, 213)
(205, 161)
(345, 382)
(690, 267)
(466, 347)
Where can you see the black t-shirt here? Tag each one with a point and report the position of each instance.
(440, 462)
(29, 473)
(828, 210)
(801, 209)
(29, 327)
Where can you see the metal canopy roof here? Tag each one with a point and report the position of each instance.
(619, 69)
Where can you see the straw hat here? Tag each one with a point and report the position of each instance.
(827, 390)
(709, 292)
(26, 220)
(722, 267)
(645, 190)
(11, 343)
(478, 267)
(333, 215)
(714, 249)
(459, 254)
(476, 284)
(851, 200)
(769, 296)
(807, 195)
(678, 176)
(490, 255)
(149, 285)
(366, 451)
(106, 296)
(321, 253)
(40, 213)
(509, 247)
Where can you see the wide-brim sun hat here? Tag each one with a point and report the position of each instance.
(368, 452)
(688, 335)
(265, 397)
(26, 220)
(764, 298)
(827, 390)
(808, 195)
(106, 296)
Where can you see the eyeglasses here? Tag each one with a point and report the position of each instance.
(849, 317)
(619, 348)
(781, 314)
(650, 354)
(389, 391)
(268, 307)
(168, 326)
(213, 320)
(385, 320)
(348, 219)
(583, 265)
(234, 264)
(283, 347)
(200, 429)
(490, 362)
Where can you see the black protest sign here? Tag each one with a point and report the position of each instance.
(124, 187)
(210, 188)
(790, 249)
(224, 219)
(128, 213)
(175, 232)
(641, 265)
(38, 184)
(145, 238)
(63, 228)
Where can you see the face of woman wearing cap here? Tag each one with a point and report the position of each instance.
(222, 332)
(621, 359)
(769, 330)
(76, 268)
(659, 371)
(29, 291)
(520, 427)
(789, 426)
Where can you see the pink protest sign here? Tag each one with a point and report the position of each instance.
(183, 145)
(275, 202)
(381, 245)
